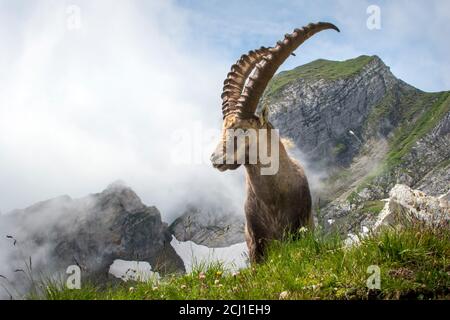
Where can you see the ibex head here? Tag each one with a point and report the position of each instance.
(242, 90)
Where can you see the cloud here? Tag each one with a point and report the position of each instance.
(412, 38)
(81, 108)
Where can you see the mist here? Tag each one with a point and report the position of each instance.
(96, 93)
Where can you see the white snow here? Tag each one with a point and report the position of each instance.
(133, 270)
(233, 257)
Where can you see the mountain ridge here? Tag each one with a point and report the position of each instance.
(365, 130)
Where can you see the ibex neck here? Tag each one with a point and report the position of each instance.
(268, 184)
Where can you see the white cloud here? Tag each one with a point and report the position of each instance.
(82, 108)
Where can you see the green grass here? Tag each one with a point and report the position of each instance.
(318, 69)
(373, 207)
(380, 112)
(406, 136)
(414, 264)
(339, 148)
(420, 112)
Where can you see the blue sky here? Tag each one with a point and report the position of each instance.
(412, 39)
(81, 108)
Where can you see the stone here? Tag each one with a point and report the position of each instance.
(406, 206)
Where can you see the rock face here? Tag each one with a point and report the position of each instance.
(318, 114)
(93, 232)
(211, 227)
(362, 131)
(406, 206)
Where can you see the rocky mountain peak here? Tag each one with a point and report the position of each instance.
(119, 194)
(319, 104)
(362, 131)
(91, 232)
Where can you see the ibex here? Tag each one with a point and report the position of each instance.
(276, 204)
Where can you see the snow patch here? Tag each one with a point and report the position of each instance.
(133, 270)
(233, 257)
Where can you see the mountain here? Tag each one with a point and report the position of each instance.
(91, 232)
(361, 130)
(110, 235)
(212, 227)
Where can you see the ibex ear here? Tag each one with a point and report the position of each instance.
(264, 115)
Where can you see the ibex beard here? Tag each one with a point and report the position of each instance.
(278, 201)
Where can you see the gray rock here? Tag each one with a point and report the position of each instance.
(319, 114)
(406, 208)
(92, 232)
(357, 134)
(212, 227)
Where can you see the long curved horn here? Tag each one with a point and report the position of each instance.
(235, 81)
(266, 68)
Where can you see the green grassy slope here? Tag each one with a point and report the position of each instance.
(411, 114)
(318, 69)
(414, 264)
(420, 113)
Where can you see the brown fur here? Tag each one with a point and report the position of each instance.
(276, 204)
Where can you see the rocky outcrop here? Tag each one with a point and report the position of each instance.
(92, 232)
(361, 131)
(212, 227)
(319, 114)
(406, 206)
(425, 167)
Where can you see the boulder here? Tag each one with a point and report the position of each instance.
(209, 226)
(406, 206)
(91, 232)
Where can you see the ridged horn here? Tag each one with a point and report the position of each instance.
(235, 81)
(268, 65)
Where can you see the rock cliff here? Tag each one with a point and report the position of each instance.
(364, 131)
(90, 232)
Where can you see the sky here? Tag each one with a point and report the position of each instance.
(94, 91)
